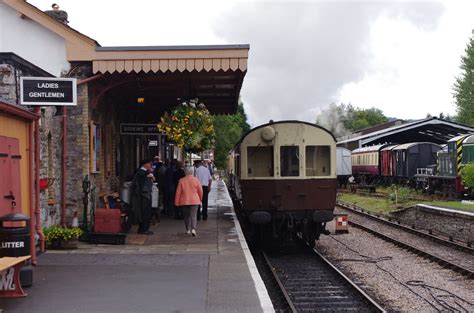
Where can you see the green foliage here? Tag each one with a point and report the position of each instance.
(190, 126)
(345, 118)
(468, 175)
(58, 232)
(398, 195)
(464, 87)
(229, 129)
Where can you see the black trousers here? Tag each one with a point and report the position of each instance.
(202, 211)
(145, 211)
(146, 215)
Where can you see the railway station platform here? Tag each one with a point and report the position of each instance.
(168, 271)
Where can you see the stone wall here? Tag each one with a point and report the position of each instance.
(78, 151)
(459, 226)
(50, 166)
(8, 88)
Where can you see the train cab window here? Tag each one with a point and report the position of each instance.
(260, 161)
(318, 160)
(468, 154)
(290, 161)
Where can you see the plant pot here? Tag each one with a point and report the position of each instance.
(63, 244)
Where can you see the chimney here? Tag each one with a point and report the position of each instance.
(57, 14)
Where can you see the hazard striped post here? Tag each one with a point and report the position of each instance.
(459, 156)
(342, 224)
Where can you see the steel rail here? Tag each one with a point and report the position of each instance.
(455, 245)
(349, 281)
(443, 262)
(282, 288)
(373, 306)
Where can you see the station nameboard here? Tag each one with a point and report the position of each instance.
(45, 91)
(139, 129)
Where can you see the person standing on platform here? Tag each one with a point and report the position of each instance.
(189, 195)
(204, 176)
(170, 188)
(177, 175)
(140, 212)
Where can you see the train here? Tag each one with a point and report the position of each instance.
(421, 165)
(282, 178)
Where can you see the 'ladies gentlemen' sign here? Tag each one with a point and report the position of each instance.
(45, 91)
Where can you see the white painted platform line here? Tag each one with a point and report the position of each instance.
(262, 292)
(437, 208)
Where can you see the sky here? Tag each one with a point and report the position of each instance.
(401, 57)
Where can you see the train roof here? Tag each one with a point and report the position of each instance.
(369, 149)
(391, 147)
(412, 144)
(282, 122)
(458, 137)
(469, 139)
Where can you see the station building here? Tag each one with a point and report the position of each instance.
(122, 92)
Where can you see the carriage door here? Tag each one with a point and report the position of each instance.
(10, 180)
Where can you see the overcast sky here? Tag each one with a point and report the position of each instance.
(398, 56)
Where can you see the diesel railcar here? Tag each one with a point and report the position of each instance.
(447, 175)
(283, 179)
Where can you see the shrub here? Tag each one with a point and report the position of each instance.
(58, 232)
(398, 195)
(468, 175)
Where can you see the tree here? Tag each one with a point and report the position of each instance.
(464, 87)
(229, 129)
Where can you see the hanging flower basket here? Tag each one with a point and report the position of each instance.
(190, 126)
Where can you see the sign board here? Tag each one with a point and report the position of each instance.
(139, 129)
(153, 143)
(46, 91)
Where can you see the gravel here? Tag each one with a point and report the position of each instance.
(447, 252)
(398, 279)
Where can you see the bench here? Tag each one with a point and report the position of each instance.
(10, 267)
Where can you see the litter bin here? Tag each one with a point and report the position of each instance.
(15, 242)
(14, 235)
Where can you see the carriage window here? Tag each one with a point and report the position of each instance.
(290, 161)
(318, 160)
(260, 161)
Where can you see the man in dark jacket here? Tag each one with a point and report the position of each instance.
(140, 211)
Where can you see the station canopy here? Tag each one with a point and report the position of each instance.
(431, 129)
(163, 76)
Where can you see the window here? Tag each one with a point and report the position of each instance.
(318, 160)
(289, 161)
(260, 161)
(468, 154)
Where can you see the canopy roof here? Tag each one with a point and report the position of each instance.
(428, 130)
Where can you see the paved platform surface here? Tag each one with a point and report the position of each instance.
(165, 272)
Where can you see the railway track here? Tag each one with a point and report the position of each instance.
(310, 283)
(448, 254)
